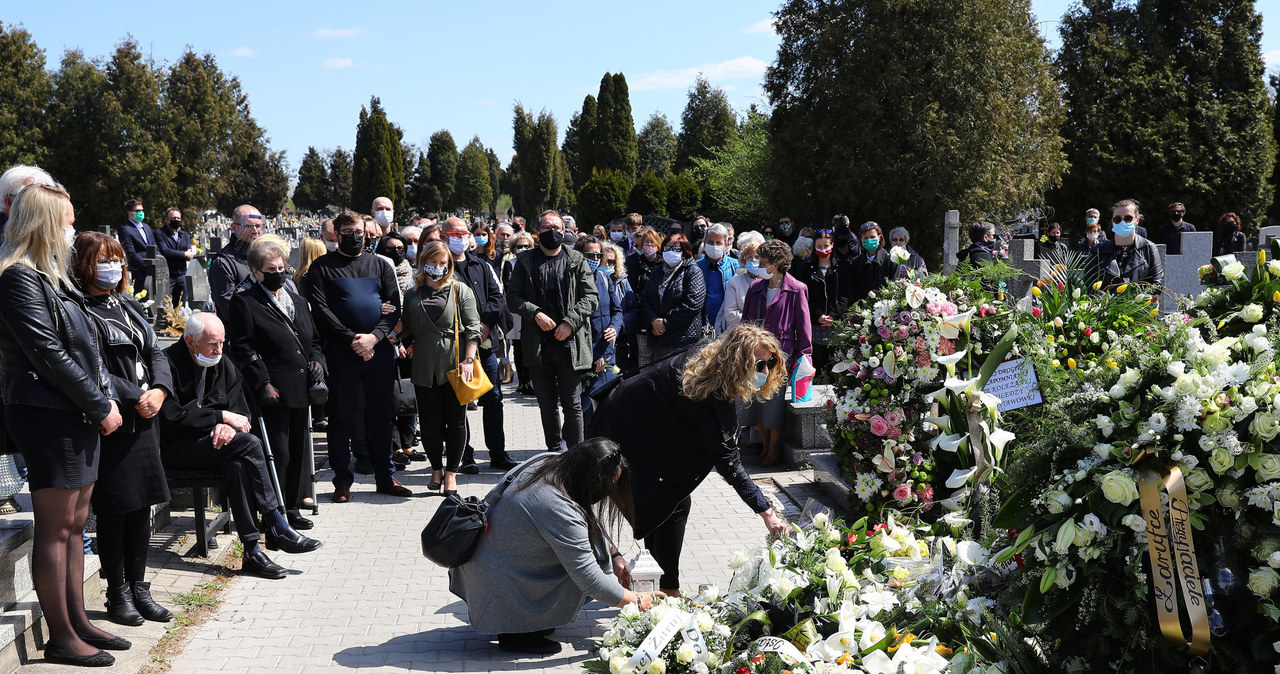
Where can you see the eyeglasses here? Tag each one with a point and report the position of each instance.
(820, 232)
(1116, 220)
(520, 248)
(771, 364)
(136, 210)
(593, 256)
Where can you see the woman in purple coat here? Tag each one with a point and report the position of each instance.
(780, 303)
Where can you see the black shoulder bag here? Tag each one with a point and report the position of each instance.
(451, 537)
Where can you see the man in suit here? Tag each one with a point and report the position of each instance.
(134, 238)
(204, 424)
(230, 268)
(175, 245)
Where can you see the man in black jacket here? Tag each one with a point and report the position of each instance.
(479, 276)
(134, 238)
(204, 424)
(229, 268)
(175, 247)
(1170, 233)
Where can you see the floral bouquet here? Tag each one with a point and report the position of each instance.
(678, 635)
(1238, 298)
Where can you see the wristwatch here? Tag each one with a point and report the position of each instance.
(469, 359)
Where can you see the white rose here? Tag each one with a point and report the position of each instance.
(1268, 467)
(834, 562)
(821, 520)
(630, 612)
(1102, 450)
(1083, 537)
(618, 664)
(684, 654)
(1198, 479)
(1119, 488)
(1177, 368)
(1220, 460)
(705, 621)
(1251, 313)
(1116, 392)
(1186, 384)
(1274, 560)
(1066, 537)
(1274, 267)
(1263, 581)
(1233, 271)
(738, 559)
(1265, 425)
(1056, 501)
(1104, 424)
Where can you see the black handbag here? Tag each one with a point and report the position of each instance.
(318, 392)
(405, 399)
(453, 533)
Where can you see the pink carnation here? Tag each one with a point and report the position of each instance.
(893, 433)
(946, 347)
(921, 345)
(923, 359)
(934, 307)
(894, 417)
(903, 332)
(902, 493)
(878, 425)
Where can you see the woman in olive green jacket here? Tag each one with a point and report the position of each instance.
(427, 327)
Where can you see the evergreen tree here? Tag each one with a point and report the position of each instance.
(648, 196)
(540, 180)
(584, 134)
(708, 122)
(495, 180)
(602, 199)
(78, 119)
(377, 165)
(739, 176)
(422, 194)
(614, 133)
(1275, 136)
(338, 184)
(657, 146)
(898, 110)
(140, 164)
(205, 112)
(684, 197)
(474, 191)
(26, 89)
(309, 194)
(442, 156)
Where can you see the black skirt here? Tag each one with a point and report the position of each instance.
(59, 446)
(131, 476)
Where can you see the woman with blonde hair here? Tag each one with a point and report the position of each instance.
(693, 393)
(58, 399)
(311, 249)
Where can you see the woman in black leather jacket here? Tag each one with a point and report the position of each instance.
(130, 476)
(673, 298)
(57, 399)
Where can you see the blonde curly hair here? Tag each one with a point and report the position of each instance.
(725, 367)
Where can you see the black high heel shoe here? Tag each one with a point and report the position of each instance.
(434, 484)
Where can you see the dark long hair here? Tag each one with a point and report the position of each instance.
(585, 474)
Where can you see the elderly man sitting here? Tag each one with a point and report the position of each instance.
(204, 424)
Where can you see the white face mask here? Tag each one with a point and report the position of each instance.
(411, 251)
(330, 246)
(207, 361)
(69, 233)
(714, 252)
(617, 236)
(673, 258)
(384, 218)
(458, 244)
(108, 275)
(1092, 236)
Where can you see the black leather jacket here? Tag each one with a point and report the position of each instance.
(51, 347)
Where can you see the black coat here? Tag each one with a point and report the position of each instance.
(261, 341)
(50, 347)
(870, 275)
(130, 475)
(183, 417)
(135, 247)
(670, 459)
(1143, 266)
(639, 267)
(828, 293)
(229, 269)
(680, 305)
(174, 251)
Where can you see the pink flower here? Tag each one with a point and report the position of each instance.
(902, 332)
(893, 433)
(921, 345)
(949, 308)
(884, 332)
(946, 347)
(923, 359)
(934, 307)
(902, 493)
(894, 417)
(878, 425)
(925, 494)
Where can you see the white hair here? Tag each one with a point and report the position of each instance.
(750, 238)
(718, 229)
(404, 231)
(17, 177)
(198, 322)
(900, 230)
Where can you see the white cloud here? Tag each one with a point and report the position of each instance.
(337, 32)
(740, 68)
(245, 52)
(763, 27)
(336, 63)
(1272, 58)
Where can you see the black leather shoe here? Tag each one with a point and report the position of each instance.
(112, 644)
(298, 522)
(147, 606)
(470, 468)
(502, 463)
(290, 541)
(530, 643)
(259, 564)
(57, 656)
(120, 608)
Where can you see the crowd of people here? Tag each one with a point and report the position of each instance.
(696, 324)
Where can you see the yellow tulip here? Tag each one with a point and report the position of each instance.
(1035, 291)
(1155, 312)
(1071, 363)
(1262, 258)
(1123, 287)
(1050, 338)
(1055, 363)
(1275, 296)
(1097, 284)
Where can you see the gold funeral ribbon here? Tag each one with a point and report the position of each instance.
(1173, 559)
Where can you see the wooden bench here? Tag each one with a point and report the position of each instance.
(199, 482)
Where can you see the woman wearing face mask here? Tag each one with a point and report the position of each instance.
(780, 304)
(518, 243)
(871, 268)
(1051, 245)
(606, 320)
(830, 283)
(615, 269)
(486, 246)
(1093, 235)
(673, 299)
(730, 314)
(274, 343)
(1129, 257)
(899, 237)
(435, 311)
(394, 247)
(1230, 238)
(693, 393)
(130, 475)
(644, 259)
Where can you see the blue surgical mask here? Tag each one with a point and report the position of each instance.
(1123, 228)
(457, 245)
(759, 379)
(753, 268)
(608, 271)
(1091, 220)
(594, 264)
(482, 240)
(411, 251)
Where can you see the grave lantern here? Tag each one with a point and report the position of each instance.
(645, 573)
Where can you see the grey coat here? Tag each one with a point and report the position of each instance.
(536, 565)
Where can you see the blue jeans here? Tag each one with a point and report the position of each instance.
(495, 438)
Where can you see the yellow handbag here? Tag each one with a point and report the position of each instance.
(467, 391)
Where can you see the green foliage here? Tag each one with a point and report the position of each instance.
(378, 161)
(1275, 136)
(338, 185)
(25, 88)
(474, 191)
(684, 197)
(309, 193)
(538, 177)
(495, 179)
(260, 177)
(614, 133)
(657, 146)
(707, 123)
(205, 129)
(583, 161)
(601, 199)
(738, 175)
(898, 110)
(1166, 101)
(423, 197)
(648, 196)
(442, 156)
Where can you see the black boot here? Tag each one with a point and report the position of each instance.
(120, 606)
(147, 606)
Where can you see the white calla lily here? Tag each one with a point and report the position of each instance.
(959, 477)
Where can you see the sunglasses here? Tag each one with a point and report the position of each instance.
(1177, 212)
(520, 248)
(771, 364)
(869, 225)
(1116, 220)
(593, 256)
(820, 232)
(673, 249)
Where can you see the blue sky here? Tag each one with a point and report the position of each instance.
(308, 67)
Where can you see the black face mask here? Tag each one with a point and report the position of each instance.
(843, 240)
(370, 245)
(273, 280)
(397, 256)
(351, 243)
(1053, 237)
(175, 224)
(551, 239)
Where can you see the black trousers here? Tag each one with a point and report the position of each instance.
(495, 436)
(667, 540)
(558, 385)
(443, 423)
(360, 400)
(123, 540)
(287, 432)
(177, 288)
(242, 464)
